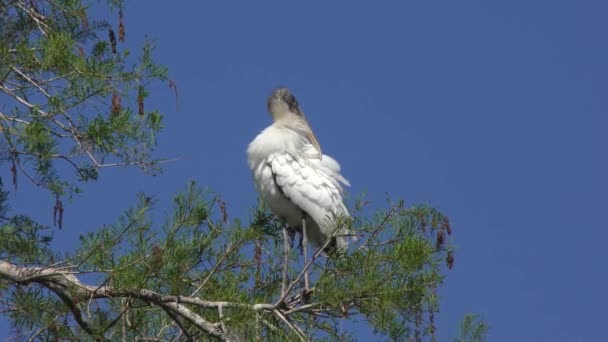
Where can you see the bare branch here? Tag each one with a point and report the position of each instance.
(29, 79)
(293, 327)
(67, 287)
(36, 17)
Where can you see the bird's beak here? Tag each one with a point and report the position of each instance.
(310, 135)
(313, 140)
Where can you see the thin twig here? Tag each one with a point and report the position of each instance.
(293, 327)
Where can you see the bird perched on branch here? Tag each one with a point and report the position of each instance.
(300, 185)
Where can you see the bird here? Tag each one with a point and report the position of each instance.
(299, 184)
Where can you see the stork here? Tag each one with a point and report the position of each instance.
(300, 185)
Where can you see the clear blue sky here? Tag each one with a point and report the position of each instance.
(496, 113)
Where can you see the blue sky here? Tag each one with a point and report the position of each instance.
(495, 113)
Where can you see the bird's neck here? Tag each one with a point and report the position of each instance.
(279, 137)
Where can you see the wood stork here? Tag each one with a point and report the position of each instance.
(300, 185)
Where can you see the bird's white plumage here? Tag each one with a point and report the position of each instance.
(296, 182)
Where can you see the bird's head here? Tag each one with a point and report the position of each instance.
(284, 109)
(282, 104)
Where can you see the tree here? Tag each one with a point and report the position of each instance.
(472, 329)
(73, 100)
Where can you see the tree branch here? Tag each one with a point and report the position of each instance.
(67, 287)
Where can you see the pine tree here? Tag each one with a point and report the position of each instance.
(73, 105)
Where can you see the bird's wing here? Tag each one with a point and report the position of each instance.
(328, 165)
(310, 185)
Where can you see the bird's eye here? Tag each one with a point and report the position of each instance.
(291, 99)
(293, 106)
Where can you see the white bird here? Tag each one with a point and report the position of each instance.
(297, 182)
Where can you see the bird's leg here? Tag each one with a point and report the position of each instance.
(305, 250)
(286, 249)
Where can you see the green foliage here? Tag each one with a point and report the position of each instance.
(24, 240)
(392, 277)
(58, 54)
(391, 282)
(472, 329)
(64, 104)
